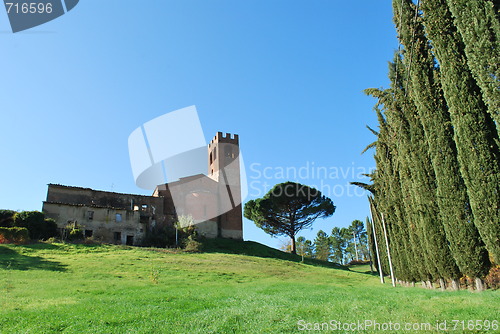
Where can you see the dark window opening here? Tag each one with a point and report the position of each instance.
(117, 236)
(144, 219)
(211, 160)
(89, 233)
(228, 151)
(130, 240)
(90, 215)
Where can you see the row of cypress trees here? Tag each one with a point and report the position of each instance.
(437, 183)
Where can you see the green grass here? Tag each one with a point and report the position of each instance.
(64, 288)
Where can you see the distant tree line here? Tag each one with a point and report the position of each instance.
(343, 246)
(436, 188)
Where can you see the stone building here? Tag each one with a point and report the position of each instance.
(213, 202)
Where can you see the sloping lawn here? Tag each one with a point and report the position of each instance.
(64, 288)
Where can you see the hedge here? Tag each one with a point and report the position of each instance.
(15, 235)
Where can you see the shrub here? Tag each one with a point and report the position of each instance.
(49, 229)
(72, 231)
(17, 235)
(493, 278)
(7, 218)
(192, 246)
(159, 237)
(39, 228)
(184, 232)
(75, 234)
(53, 240)
(188, 235)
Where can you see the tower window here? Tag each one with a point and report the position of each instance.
(228, 151)
(90, 215)
(118, 217)
(211, 158)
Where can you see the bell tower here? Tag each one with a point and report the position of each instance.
(224, 168)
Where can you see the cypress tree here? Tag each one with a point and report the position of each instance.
(454, 208)
(397, 215)
(413, 156)
(479, 28)
(474, 131)
(423, 183)
(410, 264)
(401, 187)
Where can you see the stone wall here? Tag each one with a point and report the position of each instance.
(109, 225)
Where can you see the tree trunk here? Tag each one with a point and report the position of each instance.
(455, 284)
(294, 248)
(479, 284)
(355, 245)
(371, 262)
(429, 285)
(442, 284)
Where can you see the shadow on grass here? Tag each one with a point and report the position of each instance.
(361, 270)
(252, 248)
(10, 259)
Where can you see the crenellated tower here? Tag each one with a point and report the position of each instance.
(224, 168)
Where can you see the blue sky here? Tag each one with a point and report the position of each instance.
(287, 76)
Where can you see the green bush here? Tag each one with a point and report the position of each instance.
(16, 235)
(192, 245)
(72, 231)
(159, 237)
(190, 238)
(7, 218)
(75, 234)
(39, 228)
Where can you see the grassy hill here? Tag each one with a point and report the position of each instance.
(252, 248)
(52, 288)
